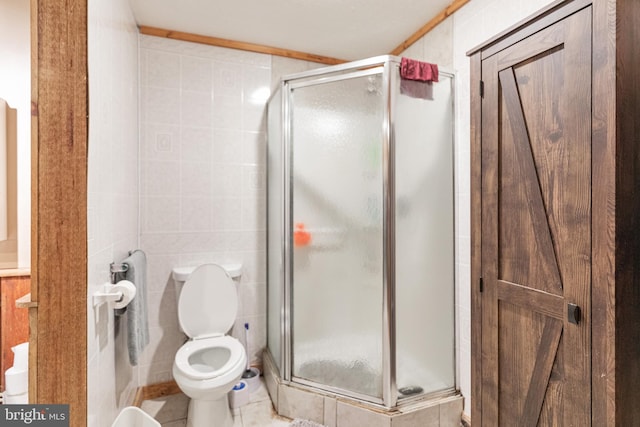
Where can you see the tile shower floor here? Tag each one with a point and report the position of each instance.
(171, 411)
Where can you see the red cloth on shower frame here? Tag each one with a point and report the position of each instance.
(416, 70)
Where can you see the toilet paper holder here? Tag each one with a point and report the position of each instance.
(119, 294)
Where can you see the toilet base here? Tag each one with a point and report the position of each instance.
(210, 413)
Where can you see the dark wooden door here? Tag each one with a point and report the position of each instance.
(536, 229)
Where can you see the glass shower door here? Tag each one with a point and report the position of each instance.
(336, 142)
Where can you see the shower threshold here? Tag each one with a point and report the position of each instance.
(295, 400)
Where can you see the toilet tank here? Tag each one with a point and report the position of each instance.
(181, 274)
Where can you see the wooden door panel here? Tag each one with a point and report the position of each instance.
(552, 412)
(532, 300)
(536, 198)
(519, 248)
(530, 379)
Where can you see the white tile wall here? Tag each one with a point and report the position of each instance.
(202, 191)
(202, 172)
(112, 195)
(436, 46)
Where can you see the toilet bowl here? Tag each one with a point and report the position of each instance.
(208, 366)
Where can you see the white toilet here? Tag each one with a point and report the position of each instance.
(208, 366)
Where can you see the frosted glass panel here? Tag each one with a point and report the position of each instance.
(337, 234)
(424, 242)
(275, 261)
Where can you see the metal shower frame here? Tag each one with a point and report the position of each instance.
(384, 65)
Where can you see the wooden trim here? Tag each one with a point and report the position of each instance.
(59, 205)
(529, 25)
(154, 391)
(603, 205)
(138, 398)
(33, 354)
(476, 235)
(489, 317)
(25, 302)
(14, 272)
(466, 420)
(233, 44)
(438, 19)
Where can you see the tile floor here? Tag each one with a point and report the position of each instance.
(171, 411)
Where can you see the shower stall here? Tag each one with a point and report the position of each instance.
(361, 234)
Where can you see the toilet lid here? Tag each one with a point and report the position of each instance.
(208, 302)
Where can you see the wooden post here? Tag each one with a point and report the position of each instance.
(59, 206)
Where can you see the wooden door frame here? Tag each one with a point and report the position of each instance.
(59, 109)
(615, 272)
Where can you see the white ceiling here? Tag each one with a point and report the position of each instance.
(343, 29)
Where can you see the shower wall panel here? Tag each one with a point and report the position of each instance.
(424, 240)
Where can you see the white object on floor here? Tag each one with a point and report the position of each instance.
(239, 395)
(254, 381)
(16, 381)
(17, 399)
(17, 377)
(132, 416)
(21, 356)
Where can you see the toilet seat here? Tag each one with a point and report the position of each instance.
(208, 303)
(209, 358)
